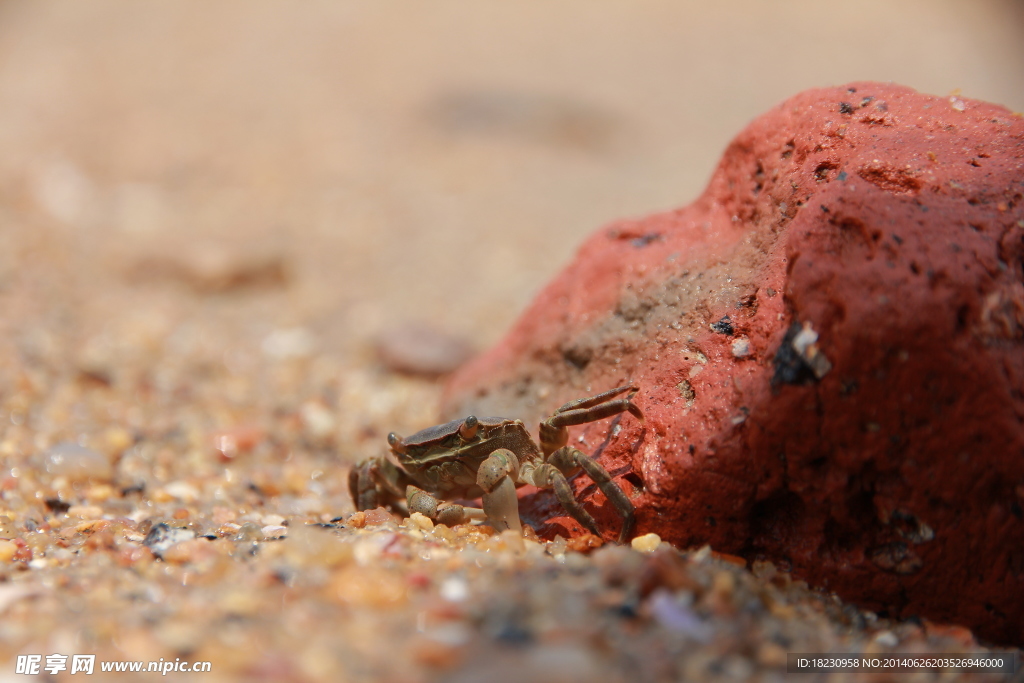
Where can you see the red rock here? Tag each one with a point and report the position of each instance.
(884, 460)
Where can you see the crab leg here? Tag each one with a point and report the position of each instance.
(448, 514)
(375, 482)
(452, 514)
(591, 401)
(548, 476)
(553, 432)
(615, 495)
(551, 475)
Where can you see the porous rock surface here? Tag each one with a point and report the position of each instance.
(829, 346)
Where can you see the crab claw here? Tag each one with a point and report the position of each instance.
(502, 506)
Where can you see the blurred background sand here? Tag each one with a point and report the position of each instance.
(395, 161)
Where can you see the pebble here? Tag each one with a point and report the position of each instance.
(585, 543)
(85, 511)
(675, 614)
(419, 349)
(310, 545)
(182, 491)
(454, 589)
(117, 440)
(77, 463)
(420, 521)
(287, 343)
(741, 347)
(7, 550)
(375, 588)
(647, 543)
(274, 531)
(99, 493)
(887, 639)
(377, 516)
(193, 550)
(161, 537)
(318, 419)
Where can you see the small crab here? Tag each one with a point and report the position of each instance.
(488, 458)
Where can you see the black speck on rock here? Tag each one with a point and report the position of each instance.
(723, 326)
(845, 108)
(644, 240)
(790, 368)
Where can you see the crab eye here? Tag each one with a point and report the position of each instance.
(395, 441)
(468, 429)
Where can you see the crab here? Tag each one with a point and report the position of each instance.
(488, 458)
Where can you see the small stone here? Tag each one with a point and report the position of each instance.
(585, 543)
(249, 532)
(418, 349)
(318, 419)
(6, 525)
(7, 550)
(372, 588)
(675, 614)
(741, 347)
(274, 531)
(230, 443)
(161, 537)
(378, 516)
(513, 540)
(223, 515)
(291, 342)
(886, 639)
(117, 440)
(454, 589)
(85, 512)
(99, 493)
(191, 551)
(182, 491)
(77, 463)
(443, 533)
(310, 545)
(647, 543)
(420, 521)
(92, 526)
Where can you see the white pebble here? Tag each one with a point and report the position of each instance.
(77, 463)
(647, 543)
(741, 347)
(291, 342)
(420, 521)
(454, 589)
(182, 491)
(887, 639)
(318, 419)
